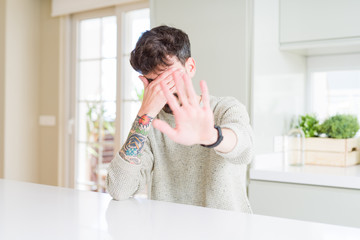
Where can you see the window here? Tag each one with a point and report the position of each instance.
(95, 99)
(136, 22)
(106, 91)
(336, 92)
(334, 84)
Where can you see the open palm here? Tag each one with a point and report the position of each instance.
(194, 124)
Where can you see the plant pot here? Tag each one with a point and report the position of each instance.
(332, 152)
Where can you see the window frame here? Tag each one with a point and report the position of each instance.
(69, 85)
(76, 18)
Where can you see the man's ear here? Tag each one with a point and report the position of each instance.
(190, 67)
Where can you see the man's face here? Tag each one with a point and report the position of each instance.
(153, 75)
(176, 64)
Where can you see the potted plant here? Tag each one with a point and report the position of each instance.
(331, 143)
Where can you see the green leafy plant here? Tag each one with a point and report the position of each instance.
(93, 122)
(340, 126)
(140, 94)
(97, 123)
(309, 124)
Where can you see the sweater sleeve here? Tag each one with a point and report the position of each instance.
(232, 114)
(125, 179)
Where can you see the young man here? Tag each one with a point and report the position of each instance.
(190, 149)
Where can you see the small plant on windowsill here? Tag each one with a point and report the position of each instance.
(309, 124)
(336, 146)
(140, 94)
(340, 126)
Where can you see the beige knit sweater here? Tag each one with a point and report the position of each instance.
(191, 174)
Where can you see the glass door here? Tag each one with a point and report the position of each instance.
(107, 92)
(95, 100)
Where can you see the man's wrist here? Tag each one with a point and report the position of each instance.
(144, 121)
(213, 138)
(146, 112)
(218, 140)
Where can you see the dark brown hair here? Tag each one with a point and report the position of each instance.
(154, 47)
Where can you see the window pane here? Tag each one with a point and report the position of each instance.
(90, 38)
(336, 92)
(130, 110)
(137, 22)
(108, 78)
(88, 122)
(88, 155)
(343, 80)
(108, 121)
(89, 88)
(109, 37)
(138, 27)
(319, 95)
(108, 153)
(133, 86)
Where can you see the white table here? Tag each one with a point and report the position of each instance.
(31, 211)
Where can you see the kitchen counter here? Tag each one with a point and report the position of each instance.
(270, 167)
(32, 211)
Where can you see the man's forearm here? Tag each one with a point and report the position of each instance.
(229, 141)
(133, 147)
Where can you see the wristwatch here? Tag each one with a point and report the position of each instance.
(218, 141)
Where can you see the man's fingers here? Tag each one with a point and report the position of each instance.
(144, 80)
(172, 89)
(163, 76)
(190, 90)
(174, 105)
(170, 84)
(180, 88)
(169, 79)
(164, 127)
(205, 94)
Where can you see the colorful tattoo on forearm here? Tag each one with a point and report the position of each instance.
(132, 149)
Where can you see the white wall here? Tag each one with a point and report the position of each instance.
(2, 84)
(220, 41)
(29, 80)
(279, 78)
(21, 90)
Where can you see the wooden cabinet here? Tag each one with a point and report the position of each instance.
(330, 25)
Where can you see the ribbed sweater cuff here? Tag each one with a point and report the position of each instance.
(126, 166)
(242, 143)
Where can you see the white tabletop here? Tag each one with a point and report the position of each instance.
(270, 167)
(31, 211)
